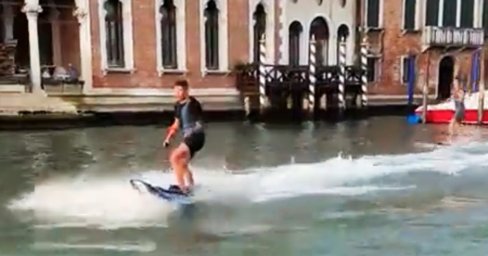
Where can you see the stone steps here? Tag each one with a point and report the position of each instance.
(16, 104)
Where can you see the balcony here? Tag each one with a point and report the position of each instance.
(453, 37)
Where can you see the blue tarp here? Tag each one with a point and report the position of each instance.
(475, 70)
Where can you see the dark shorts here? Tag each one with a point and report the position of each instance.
(195, 142)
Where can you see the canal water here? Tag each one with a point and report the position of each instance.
(369, 187)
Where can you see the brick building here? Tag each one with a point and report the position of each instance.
(442, 35)
(141, 47)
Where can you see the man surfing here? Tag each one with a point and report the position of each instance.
(188, 119)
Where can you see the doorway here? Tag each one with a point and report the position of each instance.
(446, 77)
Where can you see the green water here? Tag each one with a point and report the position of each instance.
(374, 187)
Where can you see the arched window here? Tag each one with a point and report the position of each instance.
(211, 36)
(259, 29)
(114, 33)
(294, 35)
(168, 35)
(342, 35)
(320, 31)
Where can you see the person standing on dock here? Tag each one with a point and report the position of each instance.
(188, 119)
(459, 108)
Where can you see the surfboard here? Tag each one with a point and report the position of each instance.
(171, 194)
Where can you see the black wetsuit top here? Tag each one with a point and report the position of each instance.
(190, 115)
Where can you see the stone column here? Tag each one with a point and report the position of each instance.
(82, 14)
(32, 10)
(56, 37)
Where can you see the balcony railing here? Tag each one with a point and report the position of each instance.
(450, 36)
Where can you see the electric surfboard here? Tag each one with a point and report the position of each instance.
(171, 194)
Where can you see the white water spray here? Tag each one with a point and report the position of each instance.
(110, 202)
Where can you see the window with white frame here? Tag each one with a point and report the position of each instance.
(373, 13)
(432, 13)
(373, 67)
(467, 14)
(213, 34)
(170, 35)
(450, 13)
(116, 34)
(409, 15)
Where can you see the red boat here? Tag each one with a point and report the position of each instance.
(444, 111)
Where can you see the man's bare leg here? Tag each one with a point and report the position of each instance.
(179, 161)
(184, 165)
(187, 173)
(176, 159)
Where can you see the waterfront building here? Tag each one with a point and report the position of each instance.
(124, 46)
(443, 37)
(139, 48)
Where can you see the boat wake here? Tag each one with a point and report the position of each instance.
(110, 202)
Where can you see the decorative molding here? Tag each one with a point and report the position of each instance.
(80, 13)
(32, 7)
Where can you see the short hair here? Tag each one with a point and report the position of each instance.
(182, 83)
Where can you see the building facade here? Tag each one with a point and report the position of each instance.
(444, 37)
(143, 46)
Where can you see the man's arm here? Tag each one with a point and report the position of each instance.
(171, 131)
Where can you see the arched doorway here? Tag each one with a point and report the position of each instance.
(320, 30)
(446, 77)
